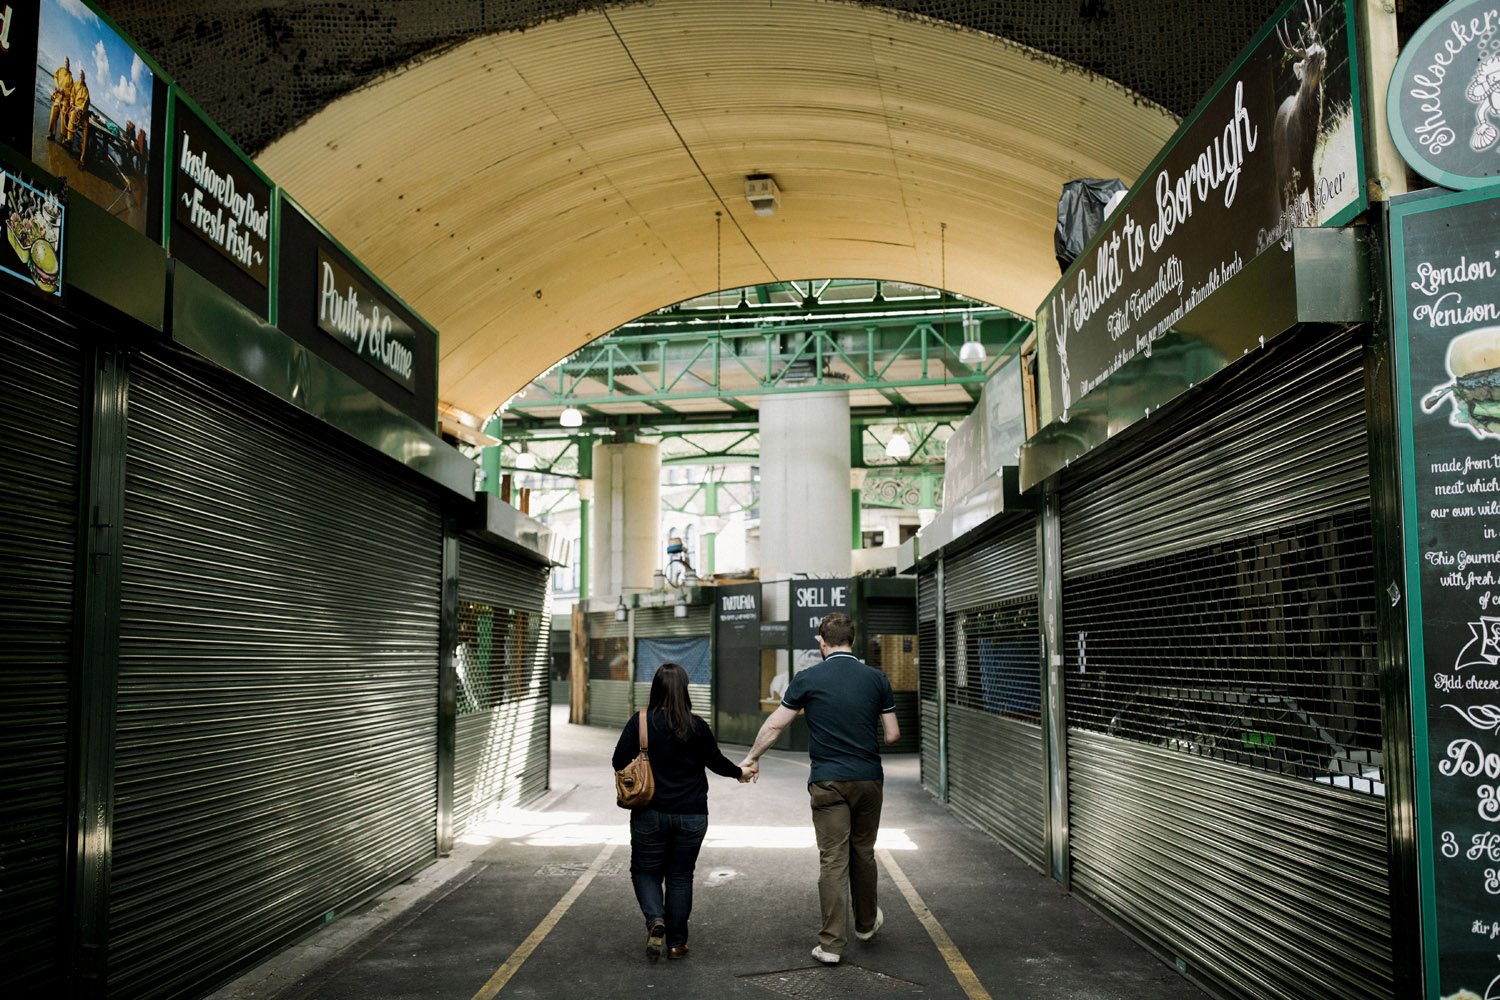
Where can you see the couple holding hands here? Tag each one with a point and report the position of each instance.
(849, 708)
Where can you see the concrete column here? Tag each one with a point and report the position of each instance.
(625, 536)
(804, 485)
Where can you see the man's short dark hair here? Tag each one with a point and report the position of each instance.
(836, 629)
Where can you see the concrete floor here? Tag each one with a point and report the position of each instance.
(550, 884)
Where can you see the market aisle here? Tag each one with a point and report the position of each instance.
(540, 906)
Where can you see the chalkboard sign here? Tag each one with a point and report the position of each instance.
(811, 600)
(1446, 285)
(737, 647)
(775, 635)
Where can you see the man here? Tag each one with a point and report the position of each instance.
(78, 117)
(62, 98)
(845, 701)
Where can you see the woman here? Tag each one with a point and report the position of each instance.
(665, 835)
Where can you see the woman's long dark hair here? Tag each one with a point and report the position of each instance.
(669, 692)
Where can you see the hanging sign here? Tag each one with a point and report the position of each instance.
(95, 107)
(1444, 99)
(358, 316)
(1446, 285)
(1275, 147)
(35, 221)
(221, 209)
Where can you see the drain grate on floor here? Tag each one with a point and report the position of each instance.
(837, 981)
(575, 870)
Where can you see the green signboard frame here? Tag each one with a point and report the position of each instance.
(1418, 642)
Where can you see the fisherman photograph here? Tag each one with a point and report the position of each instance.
(92, 121)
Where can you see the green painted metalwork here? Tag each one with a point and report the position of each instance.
(902, 489)
(796, 338)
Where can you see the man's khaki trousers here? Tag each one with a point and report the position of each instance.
(846, 818)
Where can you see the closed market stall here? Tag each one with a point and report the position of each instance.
(662, 637)
(42, 416)
(1224, 744)
(276, 745)
(996, 774)
(502, 687)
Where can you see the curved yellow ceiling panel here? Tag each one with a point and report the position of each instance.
(530, 191)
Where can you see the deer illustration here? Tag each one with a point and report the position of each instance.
(1300, 115)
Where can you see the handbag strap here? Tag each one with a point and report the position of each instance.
(641, 719)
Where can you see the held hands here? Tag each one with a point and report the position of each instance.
(749, 771)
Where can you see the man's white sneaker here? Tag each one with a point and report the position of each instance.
(826, 957)
(879, 919)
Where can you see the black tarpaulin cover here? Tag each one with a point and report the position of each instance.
(1080, 210)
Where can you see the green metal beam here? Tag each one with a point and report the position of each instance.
(679, 359)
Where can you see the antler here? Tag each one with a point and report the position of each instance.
(1314, 10)
(1286, 40)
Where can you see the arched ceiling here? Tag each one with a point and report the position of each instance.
(529, 190)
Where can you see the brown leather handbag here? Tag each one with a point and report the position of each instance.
(634, 784)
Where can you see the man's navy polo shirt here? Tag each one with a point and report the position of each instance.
(843, 699)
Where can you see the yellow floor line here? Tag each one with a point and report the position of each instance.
(945, 946)
(523, 951)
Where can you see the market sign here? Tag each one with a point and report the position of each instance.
(737, 647)
(221, 209)
(329, 303)
(356, 314)
(1276, 146)
(1445, 281)
(811, 600)
(18, 31)
(35, 221)
(1444, 98)
(93, 106)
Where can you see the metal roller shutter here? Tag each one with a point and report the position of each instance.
(893, 621)
(927, 676)
(609, 703)
(276, 755)
(609, 670)
(996, 775)
(503, 727)
(1224, 745)
(1282, 445)
(1002, 566)
(889, 617)
(41, 420)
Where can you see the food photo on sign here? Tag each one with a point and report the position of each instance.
(1474, 389)
(33, 221)
(92, 110)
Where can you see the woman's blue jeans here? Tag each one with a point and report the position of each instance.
(664, 849)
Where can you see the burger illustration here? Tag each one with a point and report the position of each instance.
(1474, 363)
(43, 265)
